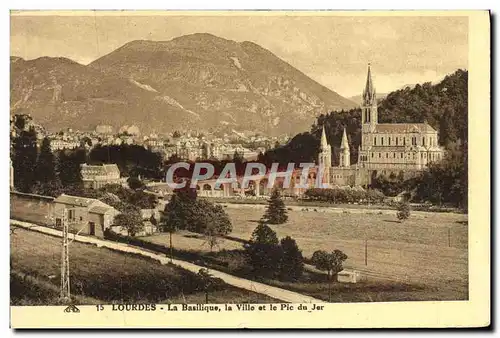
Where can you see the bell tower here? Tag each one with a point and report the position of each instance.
(369, 114)
(325, 152)
(324, 158)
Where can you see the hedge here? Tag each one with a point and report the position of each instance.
(342, 196)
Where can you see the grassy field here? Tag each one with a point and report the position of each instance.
(427, 249)
(314, 203)
(105, 275)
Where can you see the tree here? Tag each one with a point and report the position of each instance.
(45, 166)
(68, 167)
(196, 215)
(445, 181)
(237, 157)
(142, 200)
(208, 281)
(211, 237)
(264, 252)
(216, 223)
(403, 211)
(130, 220)
(53, 188)
(135, 183)
(263, 234)
(329, 262)
(276, 210)
(24, 161)
(292, 263)
(172, 218)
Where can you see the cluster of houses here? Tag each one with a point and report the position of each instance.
(187, 146)
(84, 215)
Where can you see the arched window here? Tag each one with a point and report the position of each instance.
(389, 140)
(382, 141)
(374, 140)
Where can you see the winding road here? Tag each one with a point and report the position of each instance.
(271, 291)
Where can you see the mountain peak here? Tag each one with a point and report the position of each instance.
(200, 80)
(201, 37)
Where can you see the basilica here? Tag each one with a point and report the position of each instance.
(385, 148)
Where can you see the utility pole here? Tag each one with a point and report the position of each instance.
(366, 251)
(65, 291)
(449, 237)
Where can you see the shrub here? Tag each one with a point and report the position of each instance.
(292, 262)
(130, 219)
(276, 211)
(264, 252)
(135, 183)
(403, 211)
(344, 196)
(200, 216)
(332, 262)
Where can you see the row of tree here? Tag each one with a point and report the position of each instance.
(343, 196)
(38, 169)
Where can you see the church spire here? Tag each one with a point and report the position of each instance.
(369, 91)
(369, 114)
(324, 142)
(344, 144)
(345, 154)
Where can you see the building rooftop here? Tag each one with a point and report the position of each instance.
(403, 128)
(101, 209)
(75, 200)
(95, 206)
(100, 170)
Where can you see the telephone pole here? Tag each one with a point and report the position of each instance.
(366, 251)
(65, 291)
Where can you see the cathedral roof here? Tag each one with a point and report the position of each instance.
(403, 128)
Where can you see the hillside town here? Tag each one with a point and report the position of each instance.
(188, 145)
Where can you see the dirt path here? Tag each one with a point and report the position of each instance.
(271, 291)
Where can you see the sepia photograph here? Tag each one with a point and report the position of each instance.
(239, 162)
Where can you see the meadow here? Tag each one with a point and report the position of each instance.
(103, 275)
(429, 248)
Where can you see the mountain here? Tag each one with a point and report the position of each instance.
(194, 81)
(60, 93)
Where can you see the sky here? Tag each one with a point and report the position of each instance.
(332, 50)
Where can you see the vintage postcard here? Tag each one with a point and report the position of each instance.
(249, 169)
